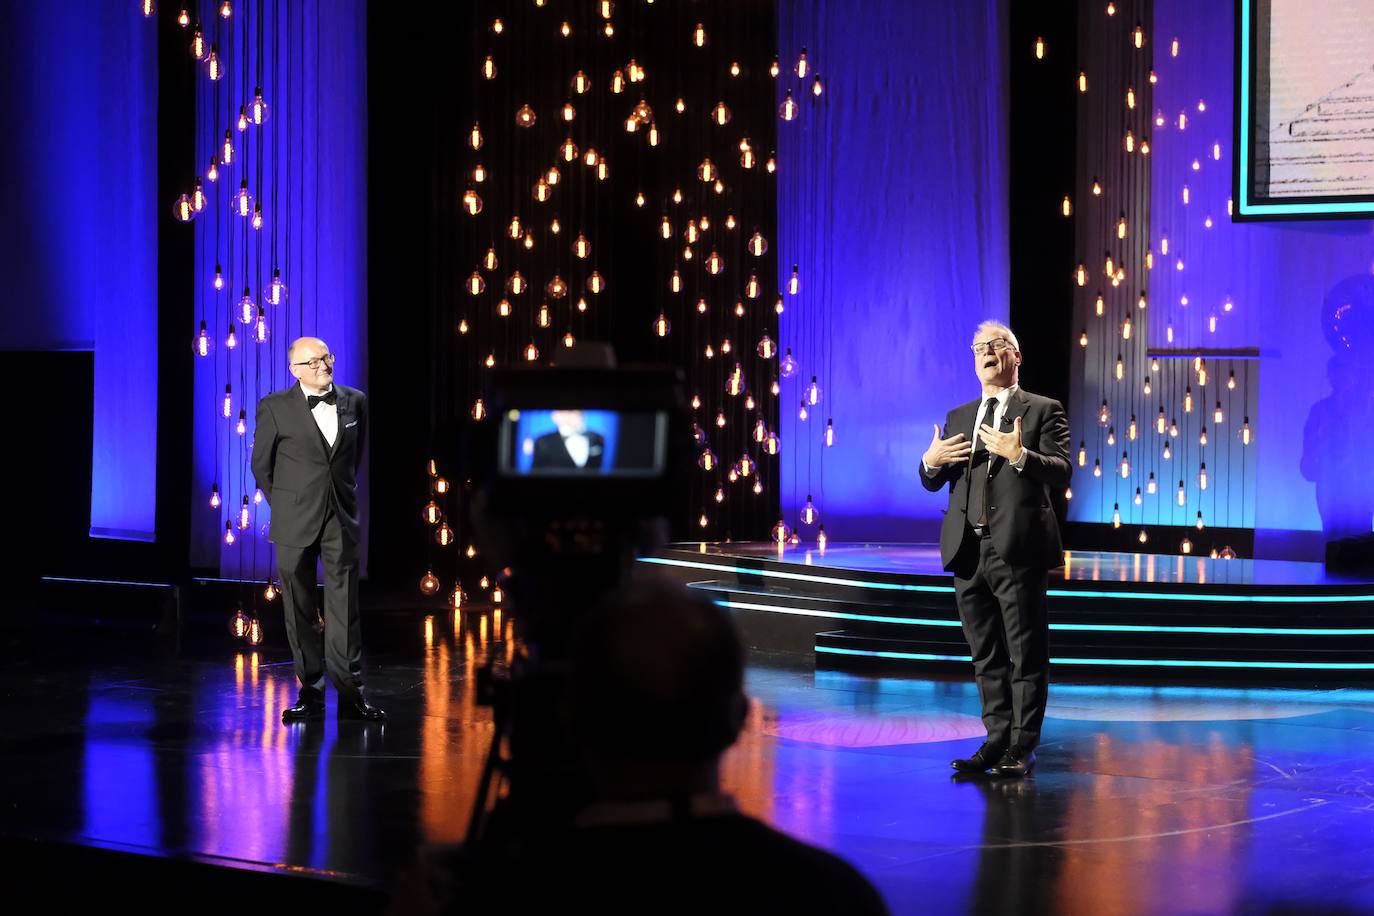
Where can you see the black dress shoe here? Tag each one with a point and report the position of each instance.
(303, 710)
(360, 710)
(985, 758)
(1016, 762)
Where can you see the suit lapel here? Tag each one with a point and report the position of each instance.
(344, 410)
(296, 397)
(1017, 405)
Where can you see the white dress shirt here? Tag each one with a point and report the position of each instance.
(579, 447)
(326, 415)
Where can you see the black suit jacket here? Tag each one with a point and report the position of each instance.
(297, 470)
(550, 452)
(1021, 517)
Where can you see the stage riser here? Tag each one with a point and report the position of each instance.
(1292, 633)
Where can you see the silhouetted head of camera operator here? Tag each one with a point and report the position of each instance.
(657, 692)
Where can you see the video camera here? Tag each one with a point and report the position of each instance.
(580, 473)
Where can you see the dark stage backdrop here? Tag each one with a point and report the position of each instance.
(438, 312)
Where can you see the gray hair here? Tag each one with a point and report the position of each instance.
(993, 325)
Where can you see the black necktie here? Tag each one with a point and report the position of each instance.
(978, 472)
(329, 397)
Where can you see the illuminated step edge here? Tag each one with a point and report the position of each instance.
(1069, 627)
(1112, 662)
(1054, 592)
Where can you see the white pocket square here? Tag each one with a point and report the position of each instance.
(350, 425)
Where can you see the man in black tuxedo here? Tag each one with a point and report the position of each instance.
(306, 451)
(1002, 455)
(571, 446)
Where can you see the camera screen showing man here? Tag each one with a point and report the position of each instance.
(570, 445)
(581, 442)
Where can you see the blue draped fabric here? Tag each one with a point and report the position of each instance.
(892, 202)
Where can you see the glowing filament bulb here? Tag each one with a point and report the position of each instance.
(1218, 417)
(1188, 399)
(1231, 381)
(1151, 486)
(1245, 432)
(1159, 422)
(617, 82)
(1182, 495)
(1111, 436)
(1173, 48)
(812, 393)
(244, 518)
(1083, 338)
(214, 496)
(1066, 206)
(489, 68)
(1121, 227)
(1097, 188)
(1082, 454)
(1182, 120)
(661, 326)
(531, 352)
(1116, 515)
(260, 327)
(1202, 436)
(1186, 194)
(228, 533)
(257, 216)
(476, 284)
(1104, 415)
(1120, 368)
(1173, 428)
(1080, 275)
(802, 412)
(794, 282)
(243, 201)
(1039, 48)
(1126, 328)
(1099, 305)
(201, 344)
(1082, 81)
(788, 109)
(544, 319)
(213, 67)
(1068, 493)
(1212, 324)
(1125, 466)
(1097, 468)
(699, 35)
(1142, 302)
(231, 340)
(1132, 430)
(242, 426)
(1202, 477)
(246, 307)
(475, 136)
(226, 150)
(665, 228)
(714, 263)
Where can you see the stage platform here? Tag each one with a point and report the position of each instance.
(1136, 615)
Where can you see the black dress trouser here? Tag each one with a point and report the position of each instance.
(1004, 613)
(339, 650)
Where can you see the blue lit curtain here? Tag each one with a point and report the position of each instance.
(893, 206)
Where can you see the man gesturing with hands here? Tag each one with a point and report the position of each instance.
(1001, 456)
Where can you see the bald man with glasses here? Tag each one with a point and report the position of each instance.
(1002, 455)
(306, 451)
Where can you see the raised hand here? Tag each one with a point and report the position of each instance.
(947, 451)
(1005, 445)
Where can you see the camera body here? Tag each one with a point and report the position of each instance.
(577, 474)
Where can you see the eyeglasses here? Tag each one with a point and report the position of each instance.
(996, 345)
(317, 361)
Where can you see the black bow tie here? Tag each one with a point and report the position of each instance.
(329, 397)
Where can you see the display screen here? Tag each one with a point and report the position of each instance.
(1306, 109)
(583, 443)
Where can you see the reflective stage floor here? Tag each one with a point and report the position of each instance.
(1146, 800)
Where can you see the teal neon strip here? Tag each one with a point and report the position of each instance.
(1067, 627)
(1116, 662)
(1054, 592)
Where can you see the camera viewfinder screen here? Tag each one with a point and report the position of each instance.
(583, 443)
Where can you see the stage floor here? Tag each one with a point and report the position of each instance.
(1149, 800)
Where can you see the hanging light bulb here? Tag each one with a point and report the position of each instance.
(1182, 496)
(1168, 450)
(231, 339)
(788, 109)
(198, 46)
(1125, 466)
(257, 109)
(214, 496)
(617, 82)
(714, 263)
(226, 9)
(1185, 546)
(1173, 428)
(260, 327)
(1120, 368)
(1111, 435)
(1080, 275)
(243, 201)
(476, 284)
(1116, 515)
(781, 533)
(1039, 48)
(531, 352)
(1151, 486)
(1202, 477)
(213, 68)
(772, 444)
(429, 583)
(212, 172)
(1082, 453)
(201, 344)
(229, 533)
(1126, 328)
(661, 326)
(1083, 338)
(1188, 399)
(257, 216)
(1245, 432)
(1097, 188)
(247, 307)
(479, 410)
(183, 210)
(596, 283)
(1104, 415)
(242, 426)
(149, 8)
(699, 35)
(1217, 416)
(543, 318)
(489, 68)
